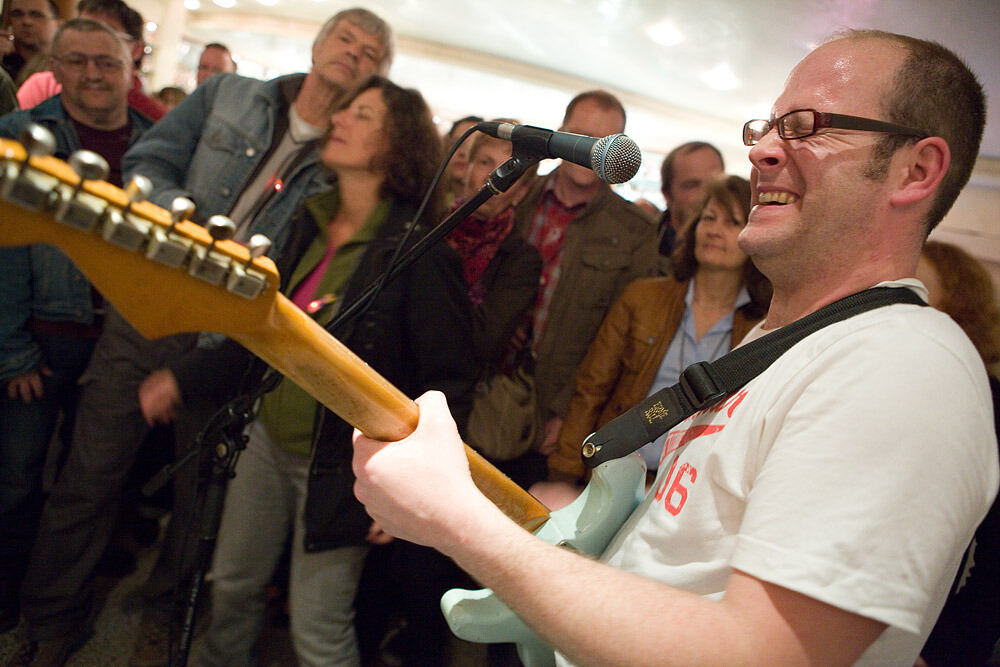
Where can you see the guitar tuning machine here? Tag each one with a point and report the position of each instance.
(212, 267)
(137, 190)
(243, 279)
(181, 209)
(24, 186)
(258, 247)
(164, 246)
(124, 229)
(77, 208)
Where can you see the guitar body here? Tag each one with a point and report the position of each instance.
(586, 525)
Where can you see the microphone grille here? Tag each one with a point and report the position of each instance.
(615, 158)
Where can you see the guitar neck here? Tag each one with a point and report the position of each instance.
(303, 351)
(167, 276)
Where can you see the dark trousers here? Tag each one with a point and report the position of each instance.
(25, 432)
(80, 514)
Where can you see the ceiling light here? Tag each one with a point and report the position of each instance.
(225, 4)
(268, 3)
(665, 33)
(192, 5)
(609, 8)
(721, 77)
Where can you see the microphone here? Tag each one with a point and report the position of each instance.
(615, 158)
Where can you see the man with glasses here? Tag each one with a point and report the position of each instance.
(32, 25)
(50, 316)
(821, 514)
(128, 24)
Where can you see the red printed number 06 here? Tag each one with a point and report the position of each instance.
(674, 493)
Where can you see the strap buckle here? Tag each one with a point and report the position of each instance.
(699, 385)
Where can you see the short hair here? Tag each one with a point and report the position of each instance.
(217, 45)
(224, 49)
(170, 95)
(481, 138)
(602, 98)
(53, 7)
(130, 19)
(369, 22)
(734, 193)
(88, 25)
(667, 167)
(934, 91)
(458, 123)
(414, 145)
(968, 296)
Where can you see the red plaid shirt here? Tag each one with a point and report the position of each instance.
(547, 233)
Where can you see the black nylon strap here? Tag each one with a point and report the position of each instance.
(705, 383)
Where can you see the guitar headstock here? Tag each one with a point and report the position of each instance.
(164, 273)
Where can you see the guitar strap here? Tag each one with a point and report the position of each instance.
(703, 384)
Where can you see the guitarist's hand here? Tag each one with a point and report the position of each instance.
(159, 397)
(28, 387)
(419, 489)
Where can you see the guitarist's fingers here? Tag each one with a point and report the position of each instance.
(410, 486)
(434, 419)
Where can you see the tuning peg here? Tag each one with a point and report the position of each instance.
(220, 228)
(89, 166)
(37, 141)
(243, 280)
(31, 189)
(258, 247)
(181, 209)
(81, 212)
(205, 266)
(166, 247)
(137, 190)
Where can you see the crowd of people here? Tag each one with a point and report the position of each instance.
(545, 314)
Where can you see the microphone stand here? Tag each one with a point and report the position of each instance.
(225, 430)
(499, 180)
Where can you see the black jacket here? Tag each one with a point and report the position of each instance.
(417, 334)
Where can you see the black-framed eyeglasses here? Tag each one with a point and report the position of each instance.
(802, 123)
(78, 62)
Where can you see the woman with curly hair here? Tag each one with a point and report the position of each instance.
(294, 481)
(969, 625)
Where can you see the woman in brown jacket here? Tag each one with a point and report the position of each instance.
(661, 325)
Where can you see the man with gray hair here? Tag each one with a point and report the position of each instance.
(236, 146)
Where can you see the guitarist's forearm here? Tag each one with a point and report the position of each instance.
(419, 489)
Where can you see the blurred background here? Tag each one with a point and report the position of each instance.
(685, 70)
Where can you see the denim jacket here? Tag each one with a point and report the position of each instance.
(210, 146)
(39, 280)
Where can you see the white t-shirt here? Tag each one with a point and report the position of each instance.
(853, 470)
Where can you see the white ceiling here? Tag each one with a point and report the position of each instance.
(562, 44)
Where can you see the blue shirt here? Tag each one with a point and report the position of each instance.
(685, 349)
